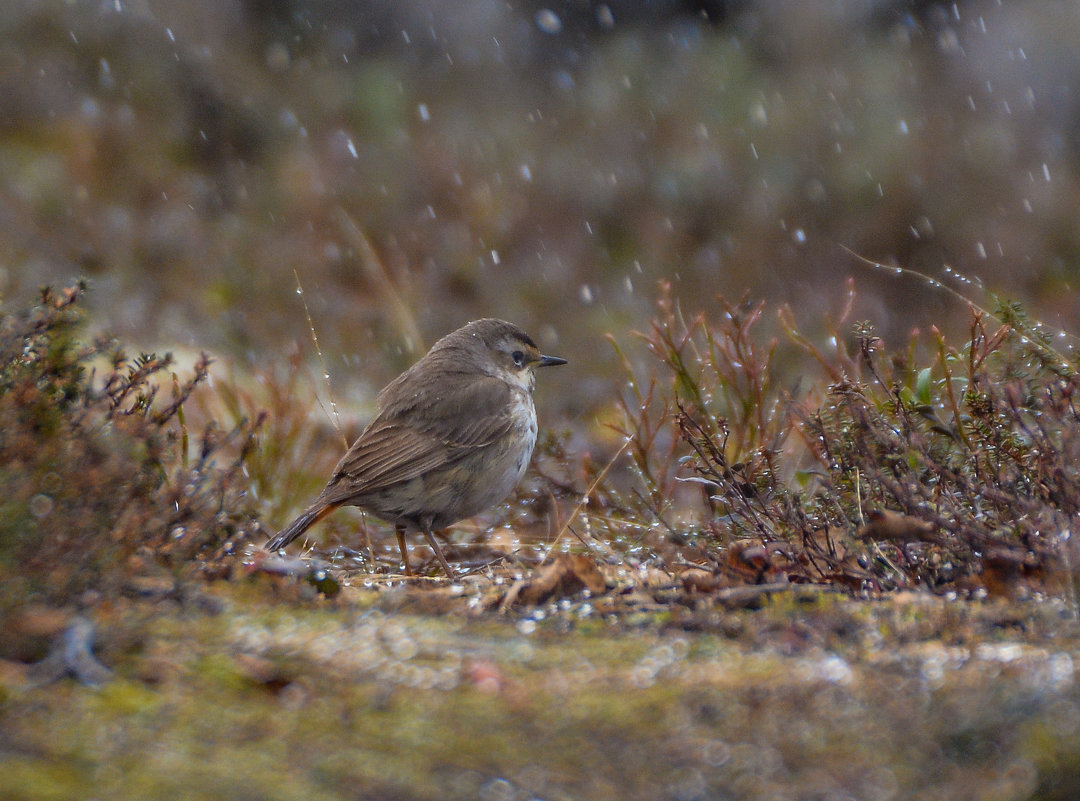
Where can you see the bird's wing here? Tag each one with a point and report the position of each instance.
(411, 439)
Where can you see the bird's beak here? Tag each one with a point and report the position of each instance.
(550, 361)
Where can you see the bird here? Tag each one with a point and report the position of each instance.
(451, 437)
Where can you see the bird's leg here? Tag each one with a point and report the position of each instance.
(439, 554)
(400, 531)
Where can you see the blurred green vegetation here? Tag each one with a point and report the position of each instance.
(545, 164)
(809, 697)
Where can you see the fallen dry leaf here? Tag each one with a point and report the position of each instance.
(565, 574)
(885, 524)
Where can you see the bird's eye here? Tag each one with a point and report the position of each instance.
(518, 357)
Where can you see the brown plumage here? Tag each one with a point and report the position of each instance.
(452, 437)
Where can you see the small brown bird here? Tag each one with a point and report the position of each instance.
(452, 437)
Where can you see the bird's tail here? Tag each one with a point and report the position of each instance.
(301, 524)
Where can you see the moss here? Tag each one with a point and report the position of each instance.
(33, 778)
(263, 701)
(124, 698)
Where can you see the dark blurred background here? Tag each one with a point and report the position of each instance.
(421, 163)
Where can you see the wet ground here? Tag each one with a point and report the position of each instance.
(413, 692)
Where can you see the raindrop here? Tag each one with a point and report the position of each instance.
(1061, 670)
(352, 148)
(903, 127)
(816, 192)
(999, 652)
(604, 17)
(422, 110)
(799, 235)
(90, 109)
(277, 57)
(287, 119)
(498, 790)
(563, 81)
(836, 670)
(715, 753)
(1046, 171)
(105, 78)
(642, 677)
(495, 257)
(41, 505)
(548, 21)
(170, 34)
(586, 294)
(526, 173)
(949, 42)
